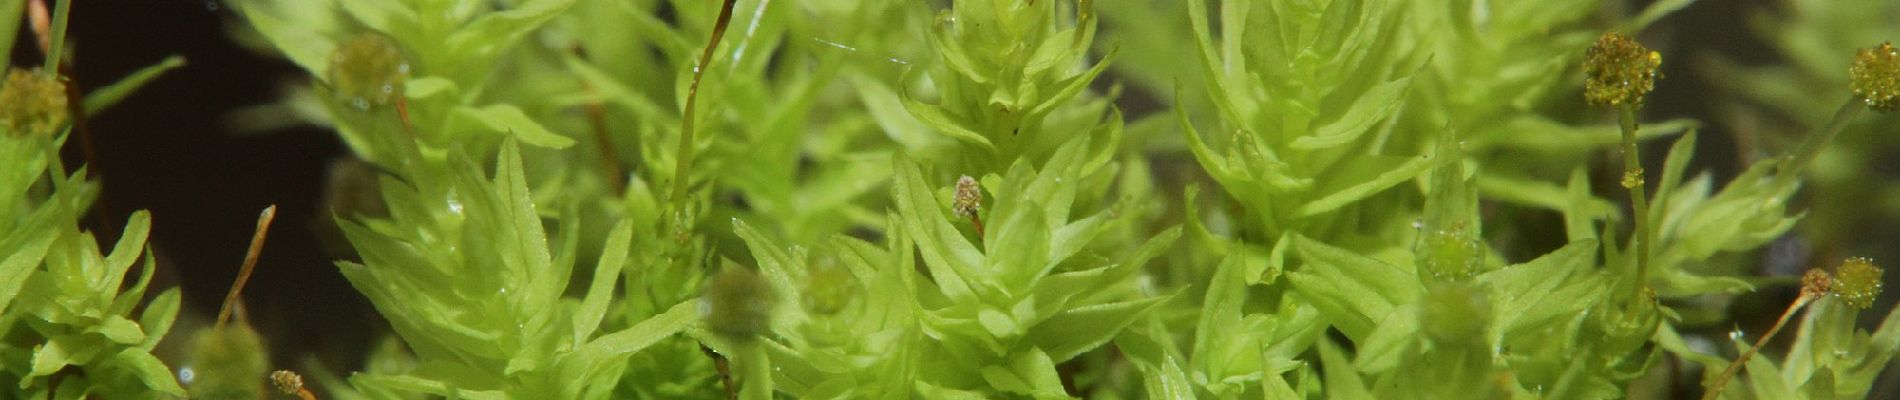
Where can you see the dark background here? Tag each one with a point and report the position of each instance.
(167, 149)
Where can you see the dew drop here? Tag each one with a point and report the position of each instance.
(186, 375)
(360, 103)
(1735, 334)
(455, 206)
(388, 88)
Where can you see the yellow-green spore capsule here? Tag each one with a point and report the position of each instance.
(1857, 283)
(226, 363)
(368, 71)
(32, 103)
(1875, 77)
(1618, 70)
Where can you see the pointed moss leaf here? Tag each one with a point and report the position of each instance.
(1354, 291)
(1680, 154)
(1391, 283)
(935, 117)
(1072, 86)
(1390, 342)
(158, 317)
(133, 294)
(1156, 357)
(1532, 192)
(1527, 291)
(381, 16)
(149, 370)
(52, 355)
(531, 251)
(639, 336)
(951, 260)
(1369, 109)
(1364, 177)
(119, 330)
(1655, 11)
(491, 33)
(1579, 220)
(1058, 288)
(20, 262)
(612, 260)
(1220, 310)
(508, 119)
(1341, 383)
(297, 28)
(890, 113)
(131, 244)
(1019, 246)
(427, 86)
(997, 323)
(105, 97)
(1078, 330)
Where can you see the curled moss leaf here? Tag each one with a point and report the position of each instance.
(1858, 282)
(1618, 70)
(32, 103)
(738, 304)
(368, 70)
(1875, 77)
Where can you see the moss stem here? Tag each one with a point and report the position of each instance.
(55, 52)
(1721, 381)
(1639, 198)
(682, 169)
(1812, 145)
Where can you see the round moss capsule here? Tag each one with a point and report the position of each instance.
(368, 70)
(1618, 70)
(1857, 282)
(737, 304)
(1875, 77)
(32, 103)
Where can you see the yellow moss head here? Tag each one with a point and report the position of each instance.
(1875, 77)
(1618, 70)
(1857, 283)
(32, 103)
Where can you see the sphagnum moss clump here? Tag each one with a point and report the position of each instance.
(1341, 254)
